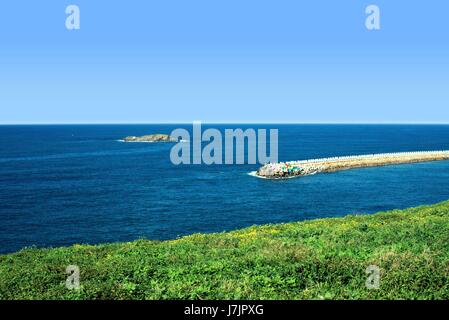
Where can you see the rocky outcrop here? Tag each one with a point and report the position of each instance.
(151, 138)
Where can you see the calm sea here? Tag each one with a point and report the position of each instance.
(67, 184)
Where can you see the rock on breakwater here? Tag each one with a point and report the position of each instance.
(312, 166)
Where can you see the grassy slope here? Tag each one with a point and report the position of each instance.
(315, 259)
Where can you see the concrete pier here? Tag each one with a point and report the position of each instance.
(312, 166)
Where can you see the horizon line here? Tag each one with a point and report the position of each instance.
(220, 122)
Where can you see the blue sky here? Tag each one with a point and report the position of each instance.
(224, 61)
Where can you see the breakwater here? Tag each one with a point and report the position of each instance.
(312, 166)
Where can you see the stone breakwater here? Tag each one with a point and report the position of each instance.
(307, 167)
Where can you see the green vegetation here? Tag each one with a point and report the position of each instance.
(319, 259)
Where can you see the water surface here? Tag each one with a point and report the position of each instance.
(67, 184)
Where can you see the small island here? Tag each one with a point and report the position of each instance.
(151, 138)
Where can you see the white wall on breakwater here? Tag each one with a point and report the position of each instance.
(374, 155)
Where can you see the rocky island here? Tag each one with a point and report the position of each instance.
(151, 138)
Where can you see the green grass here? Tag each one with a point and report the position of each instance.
(318, 259)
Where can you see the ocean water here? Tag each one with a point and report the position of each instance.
(67, 184)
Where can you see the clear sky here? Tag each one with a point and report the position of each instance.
(224, 61)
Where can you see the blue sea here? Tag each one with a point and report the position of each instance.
(67, 184)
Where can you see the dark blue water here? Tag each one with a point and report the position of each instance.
(61, 185)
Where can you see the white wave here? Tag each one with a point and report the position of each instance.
(254, 174)
(136, 141)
